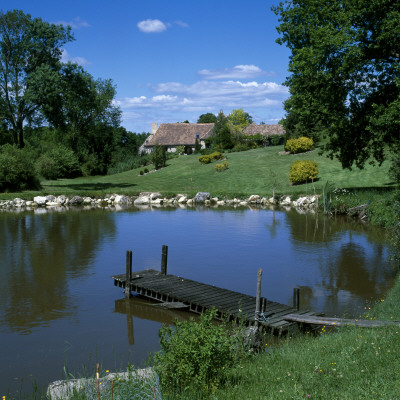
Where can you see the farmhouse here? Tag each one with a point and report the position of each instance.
(265, 130)
(180, 134)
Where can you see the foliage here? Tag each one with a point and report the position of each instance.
(159, 156)
(194, 354)
(299, 145)
(205, 159)
(241, 147)
(222, 167)
(274, 140)
(180, 150)
(239, 119)
(30, 53)
(141, 172)
(216, 155)
(16, 169)
(345, 75)
(197, 146)
(394, 171)
(207, 118)
(303, 171)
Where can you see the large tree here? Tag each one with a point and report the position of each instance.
(30, 53)
(345, 74)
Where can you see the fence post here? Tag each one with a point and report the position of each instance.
(164, 259)
(296, 298)
(128, 274)
(258, 295)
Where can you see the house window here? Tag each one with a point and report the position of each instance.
(197, 135)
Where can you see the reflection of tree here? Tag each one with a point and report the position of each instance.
(39, 254)
(273, 226)
(312, 228)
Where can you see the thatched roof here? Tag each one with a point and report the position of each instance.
(254, 129)
(180, 134)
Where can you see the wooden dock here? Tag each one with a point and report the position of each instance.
(178, 292)
(198, 297)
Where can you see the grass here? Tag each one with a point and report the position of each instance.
(250, 172)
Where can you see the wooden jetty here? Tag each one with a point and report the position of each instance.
(178, 292)
(198, 297)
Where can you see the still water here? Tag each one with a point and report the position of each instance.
(58, 305)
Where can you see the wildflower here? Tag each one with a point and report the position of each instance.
(308, 396)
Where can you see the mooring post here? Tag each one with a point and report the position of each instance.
(128, 274)
(296, 298)
(258, 295)
(164, 259)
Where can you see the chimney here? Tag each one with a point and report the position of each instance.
(154, 128)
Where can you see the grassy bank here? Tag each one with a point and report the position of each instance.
(250, 172)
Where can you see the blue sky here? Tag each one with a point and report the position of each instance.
(175, 60)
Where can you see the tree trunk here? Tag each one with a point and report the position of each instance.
(20, 131)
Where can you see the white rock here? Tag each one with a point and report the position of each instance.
(182, 200)
(286, 201)
(254, 198)
(40, 200)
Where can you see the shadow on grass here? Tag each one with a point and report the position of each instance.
(388, 188)
(96, 186)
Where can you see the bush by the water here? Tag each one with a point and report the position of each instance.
(58, 162)
(17, 171)
(299, 145)
(195, 354)
(303, 171)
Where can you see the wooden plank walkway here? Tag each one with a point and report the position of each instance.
(199, 297)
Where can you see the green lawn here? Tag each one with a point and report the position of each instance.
(250, 172)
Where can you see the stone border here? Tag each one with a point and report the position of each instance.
(145, 199)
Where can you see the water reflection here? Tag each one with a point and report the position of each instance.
(143, 309)
(40, 253)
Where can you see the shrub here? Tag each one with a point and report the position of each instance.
(141, 172)
(221, 167)
(146, 170)
(159, 156)
(303, 171)
(16, 169)
(194, 354)
(241, 147)
(206, 159)
(180, 150)
(299, 145)
(58, 162)
(275, 140)
(216, 155)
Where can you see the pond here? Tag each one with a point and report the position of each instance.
(59, 307)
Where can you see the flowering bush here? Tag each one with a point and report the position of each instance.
(299, 145)
(303, 171)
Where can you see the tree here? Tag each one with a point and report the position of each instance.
(207, 118)
(159, 156)
(30, 52)
(345, 74)
(240, 118)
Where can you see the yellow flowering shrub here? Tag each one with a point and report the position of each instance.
(221, 167)
(303, 171)
(299, 145)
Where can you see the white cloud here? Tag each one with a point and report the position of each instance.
(151, 26)
(76, 23)
(237, 72)
(65, 57)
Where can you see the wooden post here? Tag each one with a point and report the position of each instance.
(296, 298)
(258, 295)
(128, 274)
(164, 259)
